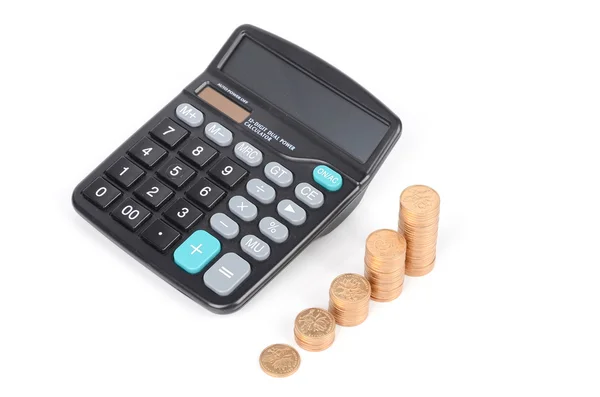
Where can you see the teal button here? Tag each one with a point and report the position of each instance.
(197, 251)
(327, 178)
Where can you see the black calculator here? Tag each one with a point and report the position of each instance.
(265, 151)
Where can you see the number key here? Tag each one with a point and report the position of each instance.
(183, 214)
(228, 172)
(147, 152)
(206, 193)
(124, 172)
(176, 173)
(169, 132)
(101, 193)
(198, 152)
(131, 214)
(153, 193)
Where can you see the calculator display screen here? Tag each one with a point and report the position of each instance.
(296, 93)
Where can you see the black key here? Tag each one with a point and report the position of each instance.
(206, 193)
(160, 235)
(124, 172)
(147, 152)
(131, 214)
(198, 152)
(183, 214)
(169, 133)
(153, 193)
(228, 171)
(101, 193)
(176, 173)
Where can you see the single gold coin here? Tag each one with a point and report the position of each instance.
(350, 287)
(420, 199)
(279, 360)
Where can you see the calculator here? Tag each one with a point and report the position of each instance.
(268, 149)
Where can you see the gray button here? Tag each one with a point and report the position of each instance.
(309, 195)
(218, 134)
(279, 174)
(243, 208)
(189, 115)
(291, 212)
(255, 247)
(248, 154)
(225, 275)
(224, 225)
(273, 229)
(260, 191)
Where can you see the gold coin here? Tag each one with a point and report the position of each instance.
(351, 288)
(279, 360)
(386, 244)
(420, 200)
(315, 323)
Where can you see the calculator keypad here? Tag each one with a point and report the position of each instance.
(206, 194)
(228, 172)
(148, 153)
(101, 193)
(176, 173)
(124, 172)
(198, 153)
(153, 193)
(131, 214)
(169, 133)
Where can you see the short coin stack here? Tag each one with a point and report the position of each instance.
(314, 329)
(385, 253)
(349, 297)
(419, 218)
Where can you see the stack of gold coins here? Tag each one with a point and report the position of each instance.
(384, 264)
(314, 329)
(419, 218)
(349, 297)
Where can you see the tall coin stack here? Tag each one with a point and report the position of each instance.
(349, 297)
(385, 253)
(419, 218)
(314, 329)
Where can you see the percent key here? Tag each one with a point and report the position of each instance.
(273, 229)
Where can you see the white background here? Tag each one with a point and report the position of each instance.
(499, 102)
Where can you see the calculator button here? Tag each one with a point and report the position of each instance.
(262, 192)
(183, 214)
(248, 154)
(224, 225)
(153, 193)
(228, 172)
(147, 152)
(160, 235)
(273, 229)
(255, 247)
(131, 214)
(124, 172)
(197, 251)
(278, 174)
(189, 115)
(218, 134)
(169, 132)
(176, 173)
(225, 275)
(198, 152)
(101, 193)
(327, 178)
(309, 195)
(243, 208)
(291, 212)
(206, 193)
